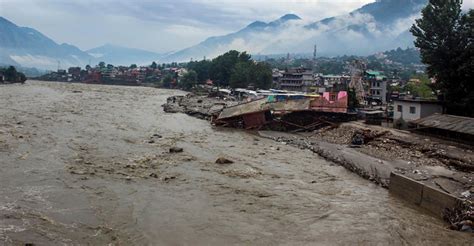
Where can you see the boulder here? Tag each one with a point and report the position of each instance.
(176, 150)
(222, 160)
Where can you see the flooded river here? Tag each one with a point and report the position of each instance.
(90, 165)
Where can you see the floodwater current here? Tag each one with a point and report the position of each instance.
(90, 165)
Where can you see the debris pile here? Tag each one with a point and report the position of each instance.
(461, 218)
(295, 113)
(202, 107)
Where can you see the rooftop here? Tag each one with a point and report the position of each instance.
(448, 122)
(417, 100)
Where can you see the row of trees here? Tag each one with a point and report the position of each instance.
(445, 37)
(234, 69)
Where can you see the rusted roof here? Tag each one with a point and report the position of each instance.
(448, 122)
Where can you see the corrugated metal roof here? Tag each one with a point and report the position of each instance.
(448, 122)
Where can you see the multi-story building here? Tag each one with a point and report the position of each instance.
(377, 87)
(296, 79)
(335, 83)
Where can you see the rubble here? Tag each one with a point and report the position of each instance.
(461, 218)
(202, 107)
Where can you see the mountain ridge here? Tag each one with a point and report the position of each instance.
(360, 32)
(375, 27)
(28, 47)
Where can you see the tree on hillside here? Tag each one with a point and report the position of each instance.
(444, 36)
(154, 65)
(101, 64)
(188, 80)
(133, 66)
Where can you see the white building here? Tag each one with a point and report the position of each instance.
(414, 109)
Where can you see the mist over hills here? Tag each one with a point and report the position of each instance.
(375, 27)
(119, 55)
(29, 48)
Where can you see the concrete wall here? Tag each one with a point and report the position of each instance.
(420, 194)
(405, 114)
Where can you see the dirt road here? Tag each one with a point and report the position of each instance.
(90, 164)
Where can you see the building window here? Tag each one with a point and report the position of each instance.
(412, 110)
(399, 108)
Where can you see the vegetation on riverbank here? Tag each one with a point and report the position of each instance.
(11, 75)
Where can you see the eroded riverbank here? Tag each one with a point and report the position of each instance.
(89, 164)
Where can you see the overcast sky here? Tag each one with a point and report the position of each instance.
(159, 25)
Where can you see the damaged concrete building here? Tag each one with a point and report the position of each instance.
(289, 110)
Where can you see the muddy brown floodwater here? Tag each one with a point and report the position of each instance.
(90, 165)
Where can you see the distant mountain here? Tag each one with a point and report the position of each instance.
(375, 27)
(253, 34)
(119, 55)
(27, 47)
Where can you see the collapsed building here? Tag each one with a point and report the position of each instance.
(288, 112)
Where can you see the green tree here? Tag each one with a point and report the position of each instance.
(263, 75)
(223, 66)
(154, 65)
(201, 68)
(188, 80)
(240, 77)
(422, 88)
(133, 66)
(444, 36)
(167, 80)
(10, 74)
(101, 64)
(248, 73)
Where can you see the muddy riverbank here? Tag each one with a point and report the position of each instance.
(90, 164)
